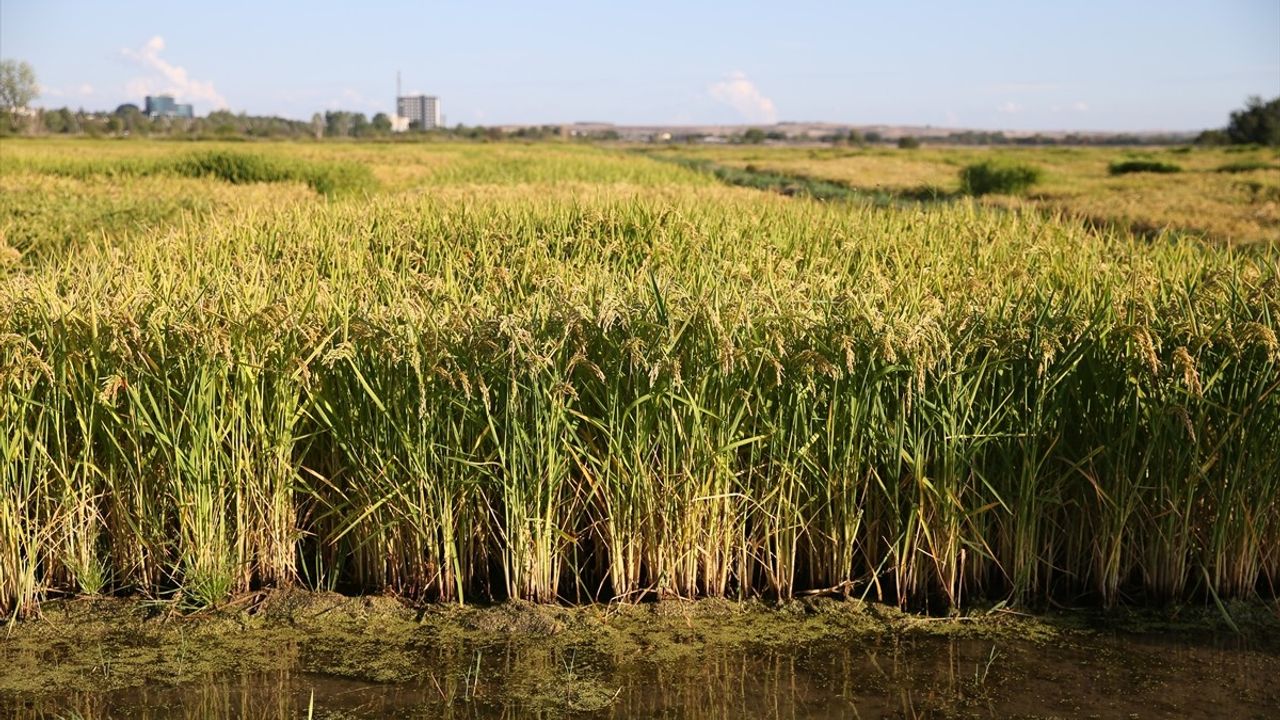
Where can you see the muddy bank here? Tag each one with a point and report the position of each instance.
(286, 654)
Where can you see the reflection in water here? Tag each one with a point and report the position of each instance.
(924, 677)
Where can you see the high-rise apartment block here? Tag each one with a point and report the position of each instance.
(422, 111)
(165, 106)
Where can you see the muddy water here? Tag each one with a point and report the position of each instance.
(1101, 675)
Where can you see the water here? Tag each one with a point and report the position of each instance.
(1109, 676)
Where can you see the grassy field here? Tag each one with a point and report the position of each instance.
(561, 372)
(1229, 195)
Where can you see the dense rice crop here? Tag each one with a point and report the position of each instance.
(1123, 167)
(584, 375)
(235, 167)
(997, 177)
(239, 168)
(1247, 166)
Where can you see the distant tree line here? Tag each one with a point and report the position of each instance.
(129, 120)
(857, 138)
(1257, 123)
(985, 137)
(18, 88)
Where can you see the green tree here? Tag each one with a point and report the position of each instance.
(18, 85)
(908, 143)
(223, 122)
(360, 126)
(337, 123)
(855, 138)
(131, 119)
(381, 123)
(755, 136)
(53, 121)
(1258, 122)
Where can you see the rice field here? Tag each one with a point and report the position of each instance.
(1226, 195)
(564, 373)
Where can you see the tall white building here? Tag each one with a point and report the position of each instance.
(421, 109)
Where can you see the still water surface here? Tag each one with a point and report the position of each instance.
(1108, 676)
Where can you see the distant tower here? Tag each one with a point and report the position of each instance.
(399, 123)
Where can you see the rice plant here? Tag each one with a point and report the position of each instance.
(577, 374)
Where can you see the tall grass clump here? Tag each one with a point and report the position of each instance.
(1124, 167)
(1003, 177)
(641, 393)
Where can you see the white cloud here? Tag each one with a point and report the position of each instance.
(169, 78)
(1077, 106)
(1020, 88)
(742, 95)
(1010, 107)
(80, 91)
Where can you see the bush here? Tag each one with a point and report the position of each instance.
(991, 176)
(1124, 167)
(908, 143)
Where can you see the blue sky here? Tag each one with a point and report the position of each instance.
(1015, 65)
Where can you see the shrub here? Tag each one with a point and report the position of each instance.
(908, 143)
(991, 176)
(1124, 167)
